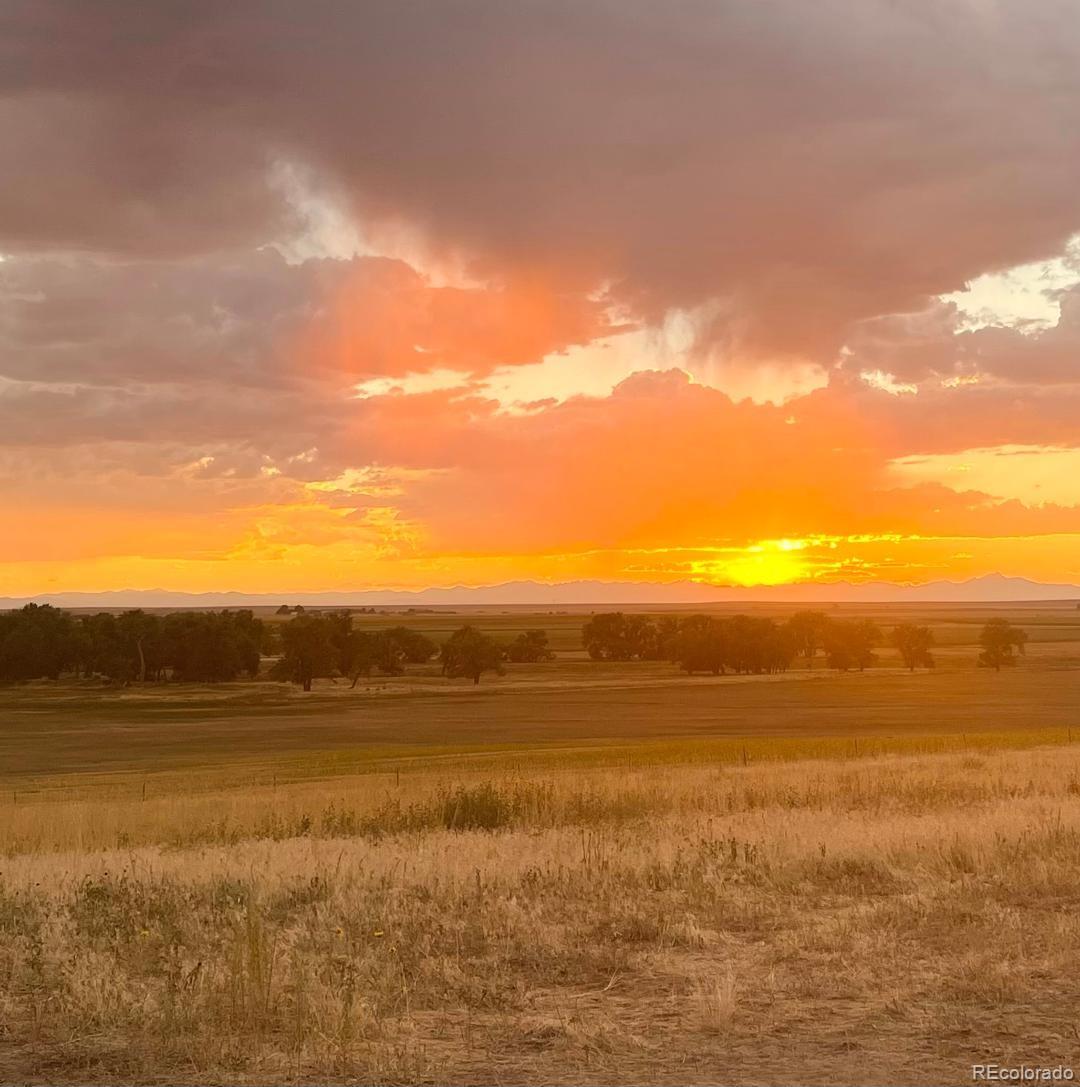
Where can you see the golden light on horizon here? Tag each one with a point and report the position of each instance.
(769, 562)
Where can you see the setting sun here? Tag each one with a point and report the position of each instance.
(770, 562)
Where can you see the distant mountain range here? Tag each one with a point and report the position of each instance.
(989, 588)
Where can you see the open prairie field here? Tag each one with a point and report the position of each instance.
(880, 919)
(54, 730)
(576, 872)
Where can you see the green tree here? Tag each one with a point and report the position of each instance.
(416, 648)
(308, 650)
(389, 656)
(702, 645)
(998, 640)
(340, 632)
(646, 643)
(667, 637)
(757, 645)
(470, 653)
(529, 647)
(247, 638)
(914, 644)
(364, 653)
(605, 637)
(807, 630)
(140, 635)
(850, 644)
(613, 636)
(102, 651)
(212, 647)
(36, 642)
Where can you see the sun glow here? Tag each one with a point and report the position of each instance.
(768, 562)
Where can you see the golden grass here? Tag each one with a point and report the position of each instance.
(372, 765)
(889, 918)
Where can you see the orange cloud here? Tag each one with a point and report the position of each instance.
(383, 318)
(791, 196)
(665, 461)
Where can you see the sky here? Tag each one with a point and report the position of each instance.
(317, 296)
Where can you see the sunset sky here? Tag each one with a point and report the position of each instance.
(300, 297)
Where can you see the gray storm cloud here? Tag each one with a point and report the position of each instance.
(808, 164)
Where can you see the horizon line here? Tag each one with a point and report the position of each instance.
(999, 588)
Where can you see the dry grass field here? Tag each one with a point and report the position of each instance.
(814, 879)
(887, 919)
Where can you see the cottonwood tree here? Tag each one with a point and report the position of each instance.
(998, 640)
(914, 644)
(370, 649)
(102, 650)
(207, 647)
(758, 645)
(361, 656)
(203, 647)
(36, 642)
(701, 645)
(308, 650)
(698, 643)
(613, 636)
(470, 653)
(740, 643)
(849, 644)
(141, 634)
(387, 650)
(808, 631)
(605, 637)
(530, 647)
(416, 648)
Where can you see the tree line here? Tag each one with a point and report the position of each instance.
(43, 642)
(757, 645)
(326, 646)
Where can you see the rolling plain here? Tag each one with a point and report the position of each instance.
(576, 872)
